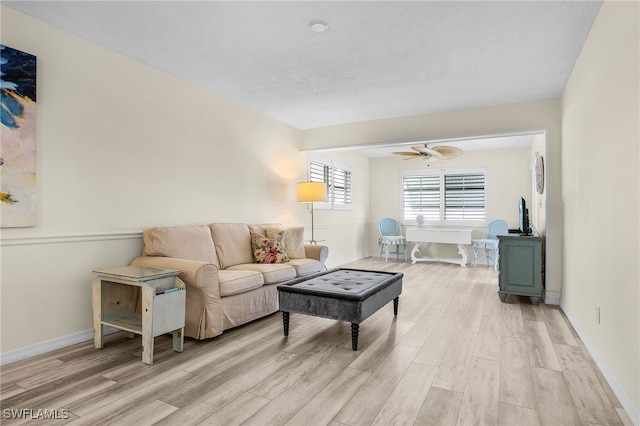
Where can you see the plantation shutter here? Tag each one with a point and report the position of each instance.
(338, 180)
(341, 188)
(421, 196)
(464, 197)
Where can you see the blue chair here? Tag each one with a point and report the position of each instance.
(391, 235)
(490, 242)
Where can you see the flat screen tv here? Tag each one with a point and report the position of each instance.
(524, 217)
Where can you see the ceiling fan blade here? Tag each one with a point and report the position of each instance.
(412, 154)
(448, 152)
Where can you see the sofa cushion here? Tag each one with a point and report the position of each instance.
(232, 242)
(305, 266)
(181, 242)
(271, 272)
(294, 243)
(238, 281)
(268, 250)
(267, 229)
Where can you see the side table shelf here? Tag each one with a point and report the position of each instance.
(139, 300)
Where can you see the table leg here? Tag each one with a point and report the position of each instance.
(355, 330)
(178, 339)
(463, 252)
(96, 301)
(395, 305)
(285, 322)
(147, 324)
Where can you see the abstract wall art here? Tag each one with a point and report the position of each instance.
(17, 138)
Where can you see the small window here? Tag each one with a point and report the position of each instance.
(445, 196)
(338, 179)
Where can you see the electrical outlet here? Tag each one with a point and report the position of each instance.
(597, 314)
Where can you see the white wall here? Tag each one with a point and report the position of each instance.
(122, 147)
(601, 134)
(508, 179)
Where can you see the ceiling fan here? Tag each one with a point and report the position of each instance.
(441, 152)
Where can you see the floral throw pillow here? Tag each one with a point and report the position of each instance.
(268, 250)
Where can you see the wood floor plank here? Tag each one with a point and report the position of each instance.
(148, 414)
(289, 402)
(557, 325)
(122, 404)
(512, 322)
(237, 411)
(516, 379)
(453, 373)
(217, 397)
(510, 415)
(541, 351)
(591, 401)
(7, 390)
(474, 307)
(555, 405)
(405, 402)
(372, 355)
(440, 407)
(324, 406)
(437, 343)
(283, 378)
(480, 401)
(371, 397)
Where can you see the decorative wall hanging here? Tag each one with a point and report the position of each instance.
(17, 138)
(538, 169)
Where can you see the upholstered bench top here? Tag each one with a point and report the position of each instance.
(345, 284)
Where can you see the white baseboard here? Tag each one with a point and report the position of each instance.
(552, 298)
(627, 404)
(50, 345)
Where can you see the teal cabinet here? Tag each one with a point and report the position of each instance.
(520, 266)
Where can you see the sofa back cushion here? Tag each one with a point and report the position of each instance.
(294, 243)
(266, 229)
(233, 243)
(182, 242)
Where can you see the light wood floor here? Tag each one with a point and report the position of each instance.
(454, 355)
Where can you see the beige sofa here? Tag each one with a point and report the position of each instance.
(226, 287)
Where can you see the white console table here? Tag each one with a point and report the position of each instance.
(419, 236)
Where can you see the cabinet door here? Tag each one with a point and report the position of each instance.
(521, 268)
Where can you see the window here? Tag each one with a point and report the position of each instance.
(338, 179)
(453, 196)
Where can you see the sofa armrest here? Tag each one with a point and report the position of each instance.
(195, 273)
(203, 311)
(317, 252)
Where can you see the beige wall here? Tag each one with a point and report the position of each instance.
(538, 206)
(122, 147)
(601, 197)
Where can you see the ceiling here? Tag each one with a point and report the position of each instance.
(378, 59)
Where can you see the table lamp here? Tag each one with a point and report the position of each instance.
(311, 192)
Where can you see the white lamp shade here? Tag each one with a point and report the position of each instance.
(309, 192)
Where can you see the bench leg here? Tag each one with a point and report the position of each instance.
(285, 322)
(395, 305)
(355, 329)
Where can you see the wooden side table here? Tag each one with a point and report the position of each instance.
(162, 307)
